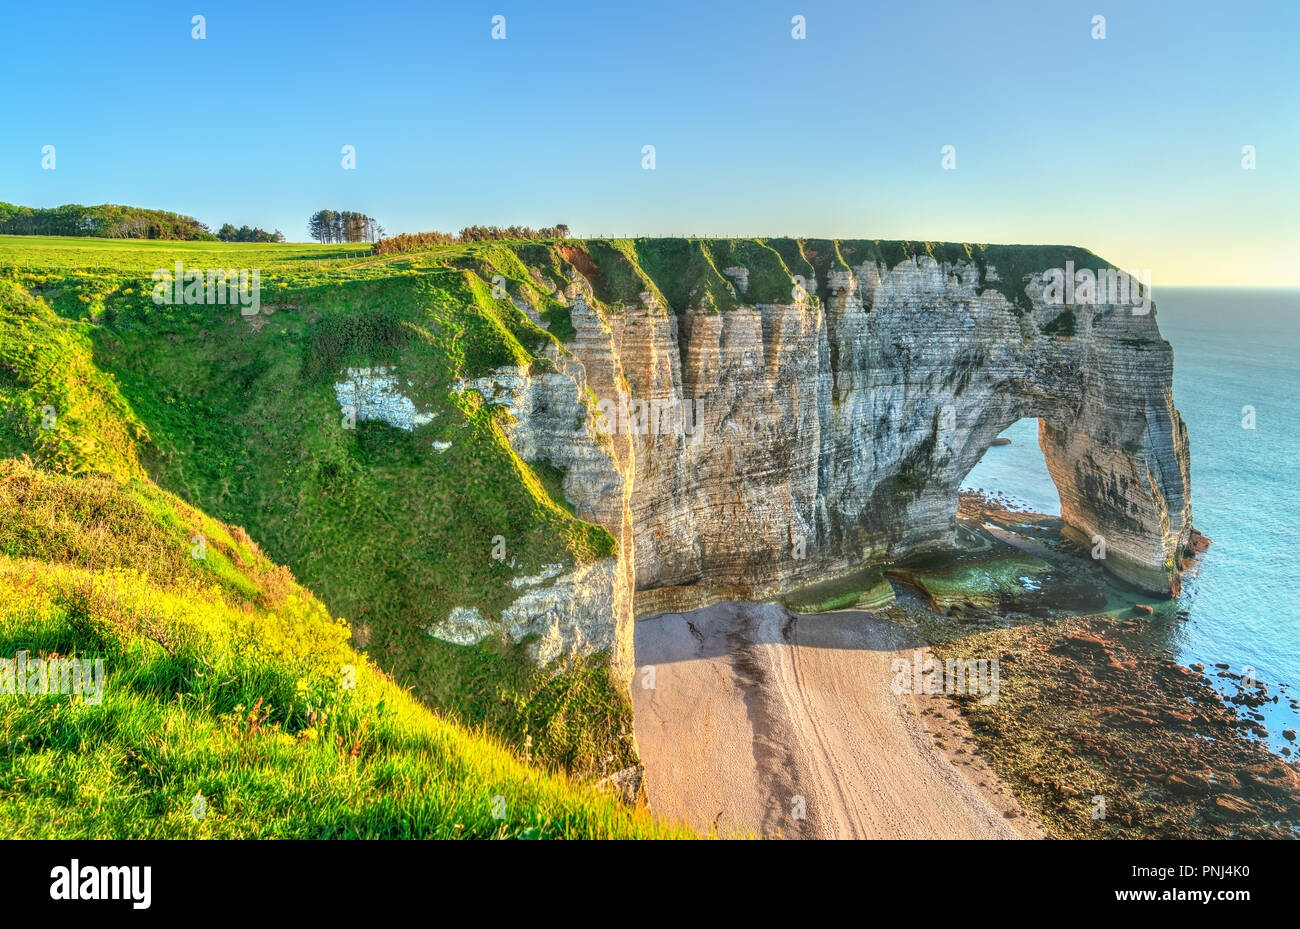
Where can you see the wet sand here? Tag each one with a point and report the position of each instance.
(765, 722)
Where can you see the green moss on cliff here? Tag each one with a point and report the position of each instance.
(684, 272)
(792, 255)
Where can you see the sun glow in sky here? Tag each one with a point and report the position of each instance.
(1131, 145)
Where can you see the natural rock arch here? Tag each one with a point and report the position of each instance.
(837, 419)
(844, 426)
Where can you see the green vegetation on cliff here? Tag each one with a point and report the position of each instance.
(223, 678)
(238, 416)
(230, 704)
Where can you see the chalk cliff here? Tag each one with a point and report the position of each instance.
(814, 406)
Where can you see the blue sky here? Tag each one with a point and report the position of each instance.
(1129, 145)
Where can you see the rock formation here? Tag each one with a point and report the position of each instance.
(835, 423)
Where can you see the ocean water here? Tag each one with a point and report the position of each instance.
(1233, 348)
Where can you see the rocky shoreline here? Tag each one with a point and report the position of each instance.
(1098, 729)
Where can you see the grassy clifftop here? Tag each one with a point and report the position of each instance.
(238, 416)
(233, 703)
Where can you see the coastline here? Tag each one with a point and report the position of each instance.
(765, 722)
(1102, 733)
(1096, 730)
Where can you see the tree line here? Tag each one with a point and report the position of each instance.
(113, 221)
(228, 233)
(108, 220)
(414, 241)
(343, 226)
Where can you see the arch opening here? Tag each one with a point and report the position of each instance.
(1014, 471)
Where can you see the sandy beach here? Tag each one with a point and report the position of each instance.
(765, 722)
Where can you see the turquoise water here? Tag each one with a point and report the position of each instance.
(1232, 348)
(1018, 470)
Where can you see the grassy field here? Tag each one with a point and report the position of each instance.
(223, 673)
(38, 252)
(237, 417)
(233, 705)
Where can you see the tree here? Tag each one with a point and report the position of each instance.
(321, 225)
(106, 220)
(342, 226)
(228, 233)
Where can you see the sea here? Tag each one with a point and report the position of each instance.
(1237, 385)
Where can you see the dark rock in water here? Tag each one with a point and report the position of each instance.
(1001, 440)
(1288, 734)
(1222, 664)
(1182, 763)
(1145, 608)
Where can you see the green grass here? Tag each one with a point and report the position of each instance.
(38, 252)
(239, 419)
(226, 679)
(244, 424)
(792, 256)
(770, 280)
(683, 271)
(56, 406)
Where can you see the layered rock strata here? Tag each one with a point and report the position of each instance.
(741, 452)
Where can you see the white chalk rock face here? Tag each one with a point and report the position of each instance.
(376, 394)
(569, 614)
(463, 626)
(571, 609)
(837, 432)
(833, 432)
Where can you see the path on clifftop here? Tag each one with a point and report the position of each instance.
(754, 707)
